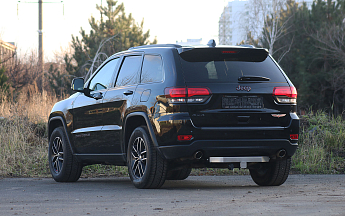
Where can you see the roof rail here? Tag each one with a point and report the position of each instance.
(157, 45)
(247, 45)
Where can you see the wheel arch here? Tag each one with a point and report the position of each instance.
(55, 122)
(134, 120)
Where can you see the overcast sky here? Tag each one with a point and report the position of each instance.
(169, 21)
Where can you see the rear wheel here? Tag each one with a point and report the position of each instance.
(273, 173)
(146, 167)
(63, 166)
(180, 174)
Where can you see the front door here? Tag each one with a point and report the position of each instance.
(88, 111)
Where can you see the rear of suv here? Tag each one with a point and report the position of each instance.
(164, 109)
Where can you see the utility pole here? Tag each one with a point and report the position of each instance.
(40, 36)
(40, 41)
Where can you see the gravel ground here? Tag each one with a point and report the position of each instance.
(197, 195)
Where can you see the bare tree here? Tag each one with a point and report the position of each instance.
(331, 43)
(99, 57)
(331, 40)
(266, 14)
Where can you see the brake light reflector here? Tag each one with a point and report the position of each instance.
(285, 94)
(294, 136)
(175, 92)
(184, 137)
(229, 52)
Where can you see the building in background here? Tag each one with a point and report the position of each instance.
(230, 29)
(7, 51)
(236, 17)
(190, 42)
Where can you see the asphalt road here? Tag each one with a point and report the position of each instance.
(197, 195)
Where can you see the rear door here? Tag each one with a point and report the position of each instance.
(118, 98)
(241, 82)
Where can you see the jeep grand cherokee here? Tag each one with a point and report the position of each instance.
(164, 109)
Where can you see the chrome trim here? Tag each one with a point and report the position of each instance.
(242, 160)
(111, 127)
(88, 129)
(97, 128)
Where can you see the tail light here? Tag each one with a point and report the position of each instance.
(187, 94)
(285, 94)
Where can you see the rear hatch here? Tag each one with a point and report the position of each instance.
(246, 88)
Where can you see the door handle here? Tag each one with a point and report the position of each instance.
(128, 92)
(97, 96)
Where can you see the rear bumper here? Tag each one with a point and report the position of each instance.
(224, 141)
(230, 148)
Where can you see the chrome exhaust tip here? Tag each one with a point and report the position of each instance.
(281, 153)
(198, 155)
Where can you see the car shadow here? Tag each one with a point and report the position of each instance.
(191, 183)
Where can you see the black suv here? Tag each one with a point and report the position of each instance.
(162, 110)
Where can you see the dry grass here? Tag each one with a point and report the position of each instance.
(35, 106)
(23, 141)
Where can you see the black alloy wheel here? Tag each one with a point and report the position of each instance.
(57, 155)
(63, 165)
(139, 157)
(146, 167)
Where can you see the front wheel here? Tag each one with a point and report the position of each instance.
(146, 167)
(273, 173)
(63, 166)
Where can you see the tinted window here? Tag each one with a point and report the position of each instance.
(152, 70)
(218, 67)
(104, 77)
(128, 74)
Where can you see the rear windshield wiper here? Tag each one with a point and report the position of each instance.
(253, 78)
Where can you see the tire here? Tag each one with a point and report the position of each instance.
(273, 173)
(63, 166)
(146, 167)
(180, 174)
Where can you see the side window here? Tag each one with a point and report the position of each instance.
(152, 69)
(128, 74)
(103, 78)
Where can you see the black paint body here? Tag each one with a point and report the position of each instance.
(99, 129)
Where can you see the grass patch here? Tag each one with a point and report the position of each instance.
(22, 151)
(97, 170)
(321, 145)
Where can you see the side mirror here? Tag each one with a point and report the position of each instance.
(78, 84)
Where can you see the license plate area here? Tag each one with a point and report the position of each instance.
(242, 102)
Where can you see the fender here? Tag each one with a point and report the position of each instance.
(62, 120)
(149, 127)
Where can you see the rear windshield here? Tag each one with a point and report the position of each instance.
(227, 65)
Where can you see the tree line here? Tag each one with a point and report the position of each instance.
(309, 44)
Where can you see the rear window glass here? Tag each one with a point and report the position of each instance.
(152, 70)
(215, 66)
(128, 74)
